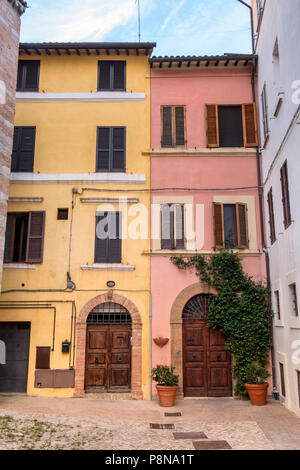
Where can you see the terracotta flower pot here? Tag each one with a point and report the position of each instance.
(257, 393)
(166, 394)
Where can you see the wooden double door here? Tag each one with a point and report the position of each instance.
(108, 358)
(206, 363)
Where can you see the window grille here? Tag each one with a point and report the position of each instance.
(197, 307)
(109, 312)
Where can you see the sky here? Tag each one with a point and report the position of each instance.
(179, 27)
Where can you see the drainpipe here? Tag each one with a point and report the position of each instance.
(150, 345)
(260, 194)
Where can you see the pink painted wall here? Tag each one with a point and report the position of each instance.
(195, 89)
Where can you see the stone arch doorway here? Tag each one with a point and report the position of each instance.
(86, 318)
(176, 323)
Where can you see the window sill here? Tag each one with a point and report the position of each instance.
(107, 267)
(30, 267)
(202, 152)
(241, 253)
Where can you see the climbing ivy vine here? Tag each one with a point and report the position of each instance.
(240, 309)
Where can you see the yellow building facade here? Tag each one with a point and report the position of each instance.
(75, 308)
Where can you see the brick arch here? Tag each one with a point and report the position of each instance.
(136, 369)
(176, 324)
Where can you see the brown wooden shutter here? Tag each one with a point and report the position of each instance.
(249, 125)
(167, 227)
(167, 136)
(179, 227)
(219, 225)
(212, 125)
(180, 125)
(35, 237)
(287, 219)
(242, 225)
(9, 238)
(42, 357)
(271, 217)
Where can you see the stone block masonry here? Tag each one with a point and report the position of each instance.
(10, 12)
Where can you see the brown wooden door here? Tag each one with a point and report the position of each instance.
(206, 363)
(108, 358)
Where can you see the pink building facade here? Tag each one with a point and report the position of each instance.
(204, 182)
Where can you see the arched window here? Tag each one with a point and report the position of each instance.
(2, 353)
(197, 307)
(109, 312)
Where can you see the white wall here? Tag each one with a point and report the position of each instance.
(281, 20)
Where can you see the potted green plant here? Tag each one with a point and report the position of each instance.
(167, 384)
(256, 385)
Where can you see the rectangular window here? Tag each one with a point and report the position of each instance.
(173, 126)
(231, 126)
(111, 75)
(22, 159)
(230, 225)
(287, 218)
(271, 217)
(111, 149)
(108, 239)
(277, 304)
(28, 75)
(172, 227)
(24, 238)
(265, 112)
(282, 380)
(293, 299)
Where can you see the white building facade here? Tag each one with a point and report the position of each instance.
(277, 44)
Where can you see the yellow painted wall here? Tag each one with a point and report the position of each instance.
(66, 143)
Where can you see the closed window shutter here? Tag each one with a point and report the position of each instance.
(271, 217)
(249, 124)
(104, 75)
(179, 226)
(179, 125)
(20, 75)
(32, 75)
(9, 237)
(265, 111)
(103, 150)
(23, 149)
(242, 225)
(167, 227)
(109, 248)
(167, 139)
(118, 150)
(119, 75)
(42, 360)
(212, 125)
(101, 243)
(218, 225)
(115, 240)
(35, 237)
(287, 219)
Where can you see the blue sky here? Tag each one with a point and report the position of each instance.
(180, 27)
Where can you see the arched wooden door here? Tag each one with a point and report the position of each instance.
(108, 349)
(206, 363)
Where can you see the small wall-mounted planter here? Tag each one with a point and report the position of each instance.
(161, 342)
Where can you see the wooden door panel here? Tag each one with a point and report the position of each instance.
(206, 363)
(95, 359)
(97, 339)
(96, 377)
(194, 356)
(194, 336)
(108, 357)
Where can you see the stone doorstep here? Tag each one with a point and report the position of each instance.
(108, 396)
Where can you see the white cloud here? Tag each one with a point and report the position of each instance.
(75, 20)
(172, 14)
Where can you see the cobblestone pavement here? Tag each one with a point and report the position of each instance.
(54, 423)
